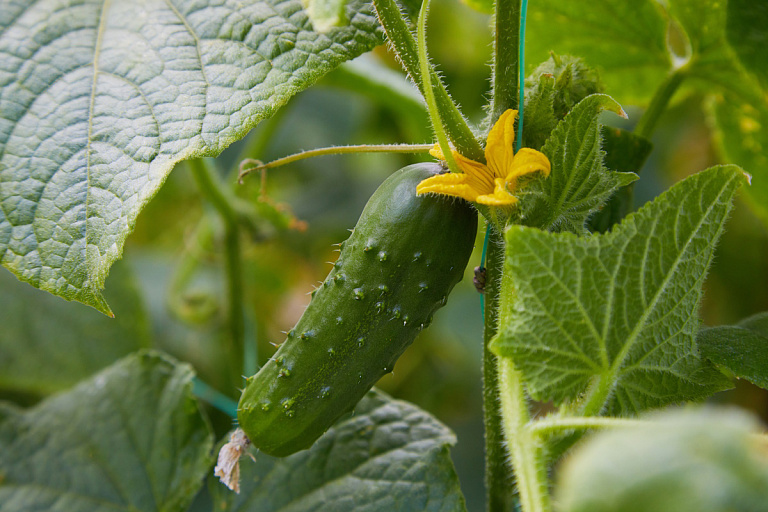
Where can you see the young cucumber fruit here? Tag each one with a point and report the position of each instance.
(395, 270)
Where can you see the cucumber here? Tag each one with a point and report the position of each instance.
(395, 270)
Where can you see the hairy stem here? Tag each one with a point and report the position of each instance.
(223, 202)
(505, 57)
(661, 98)
(498, 474)
(505, 83)
(525, 447)
(554, 425)
(249, 165)
(429, 94)
(404, 44)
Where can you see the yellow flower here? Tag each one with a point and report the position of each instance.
(494, 183)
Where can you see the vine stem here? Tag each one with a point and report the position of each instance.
(221, 200)
(661, 98)
(525, 447)
(506, 51)
(506, 78)
(498, 474)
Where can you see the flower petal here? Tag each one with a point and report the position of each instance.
(527, 161)
(531, 159)
(437, 152)
(479, 176)
(500, 146)
(450, 184)
(500, 196)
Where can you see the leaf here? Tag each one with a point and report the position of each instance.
(712, 60)
(628, 42)
(611, 319)
(757, 323)
(47, 345)
(130, 438)
(624, 152)
(741, 349)
(742, 136)
(326, 14)
(742, 105)
(724, 44)
(99, 101)
(625, 40)
(747, 32)
(389, 455)
(484, 6)
(579, 183)
(703, 461)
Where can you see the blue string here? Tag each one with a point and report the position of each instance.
(206, 393)
(520, 106)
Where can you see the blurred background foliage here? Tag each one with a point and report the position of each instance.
(169, 291)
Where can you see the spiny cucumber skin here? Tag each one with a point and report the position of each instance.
(396, 269)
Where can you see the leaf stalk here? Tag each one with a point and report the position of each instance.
(661, 98)
(212, 190)
(429, 94)
(525, 447)
(249, 165)
(548, 426)
(403, 42)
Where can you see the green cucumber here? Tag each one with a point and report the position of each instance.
(395, 270)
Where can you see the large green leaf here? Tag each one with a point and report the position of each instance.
(389, 455)
(747, 31)
(99, 100)
(47, 344)
(625, 40)
(742, 105)
(683, 461)
(741, 348)
(624, 152)
(611, 319)
(628, 41)
(713, 61)
(724, 53)
(579, 183)
(131, 438)
(742, 129)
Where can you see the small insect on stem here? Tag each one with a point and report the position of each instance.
(228, 465)
(479, 279)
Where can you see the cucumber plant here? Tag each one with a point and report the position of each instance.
(404, 256)
(590, 304)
